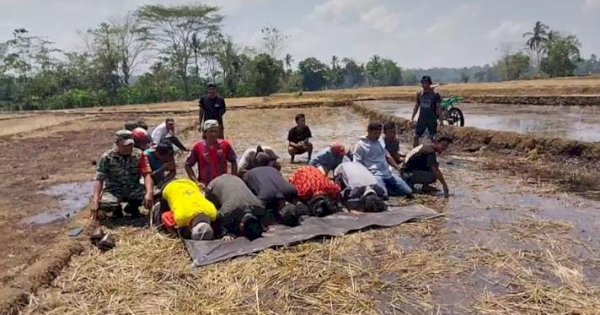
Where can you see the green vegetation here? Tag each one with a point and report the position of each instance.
(184, 48)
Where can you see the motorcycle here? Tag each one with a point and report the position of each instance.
(452, 114)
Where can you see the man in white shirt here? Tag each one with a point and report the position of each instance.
(248, 159)
(166, 130)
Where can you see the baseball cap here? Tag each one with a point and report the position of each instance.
(270, 152)
(139, 134)
(338, 149)
(125, 137)
(209, 124)
(202, 232)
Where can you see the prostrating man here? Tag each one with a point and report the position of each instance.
(166, 130)
(428, 104)
(278, 195)
(318, 192)
(211, 155)
(370, 152)
(329, 158)
(162, 162)
(184, 207)
(360, 188)
(248, 159)
(118, 179)
(421, 165)
(298, 138)
(239, 208)
(212, 107)
(391, 141)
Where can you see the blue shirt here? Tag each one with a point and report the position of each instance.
(326, 159)
(155, 163)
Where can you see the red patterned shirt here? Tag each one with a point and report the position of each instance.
(311, 183)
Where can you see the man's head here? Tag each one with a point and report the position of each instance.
(130, 125)
(142, 124)
(200, 228)
(374, 131)
(389, 129)
(301, 120)
(441, 144)
(321, 206)
(124, 142)
(164, 151)
(211, 90)
(170, 123)
(211, 129)
(338, 149)
(262, 159)
(250, 227)
(373, 203)
(140, 137)
(426, 82)
(289, 215)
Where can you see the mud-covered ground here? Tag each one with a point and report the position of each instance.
(570, 122)
(39, 156)
(507, 244)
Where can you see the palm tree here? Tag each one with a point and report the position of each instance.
(288, 61)
(334, 62)
(537, 39)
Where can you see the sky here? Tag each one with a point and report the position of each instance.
(416, 34)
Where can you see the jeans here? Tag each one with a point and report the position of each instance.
(394, 185)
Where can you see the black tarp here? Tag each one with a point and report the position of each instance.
(208, 252)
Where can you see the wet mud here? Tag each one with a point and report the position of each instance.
(72, 199)
(575, 123)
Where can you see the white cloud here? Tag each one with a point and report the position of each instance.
(341, 11)
(591, 4)
(507, 30)
(380, 18)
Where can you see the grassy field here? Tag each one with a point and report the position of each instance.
(511, 241)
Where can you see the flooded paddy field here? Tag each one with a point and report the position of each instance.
(570, 122)
(506, 245)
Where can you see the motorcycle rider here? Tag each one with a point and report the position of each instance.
(428, 104)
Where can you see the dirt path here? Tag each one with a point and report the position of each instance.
(577, 123)
(507, 244)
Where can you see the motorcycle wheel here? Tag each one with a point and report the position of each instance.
(456, 116)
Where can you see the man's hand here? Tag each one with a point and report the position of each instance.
(94, 212)
(446, 191)
(201, 186)
(148, 201)
(228, 238)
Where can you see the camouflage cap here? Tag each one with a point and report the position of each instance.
(125, 137)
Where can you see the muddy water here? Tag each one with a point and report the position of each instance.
(72, 198)
(571, 122)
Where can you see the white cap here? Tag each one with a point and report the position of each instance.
(209, 124)
(202, 232)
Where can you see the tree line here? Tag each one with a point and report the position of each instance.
(183, 48)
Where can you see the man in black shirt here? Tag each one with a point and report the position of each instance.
(277, 194)
(421, 166)
(428, 105)
(298, 138)
(212, 106)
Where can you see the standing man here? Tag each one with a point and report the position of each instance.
(118, 179)
(211, 155)
(166, 131)
(428, 104)
(370, 152)
(212, 106)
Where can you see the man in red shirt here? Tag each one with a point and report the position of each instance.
(211, 155)
(318, 192)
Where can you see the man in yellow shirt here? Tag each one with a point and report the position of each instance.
(183, 206)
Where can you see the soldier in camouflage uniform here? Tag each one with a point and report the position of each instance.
(119, 171)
